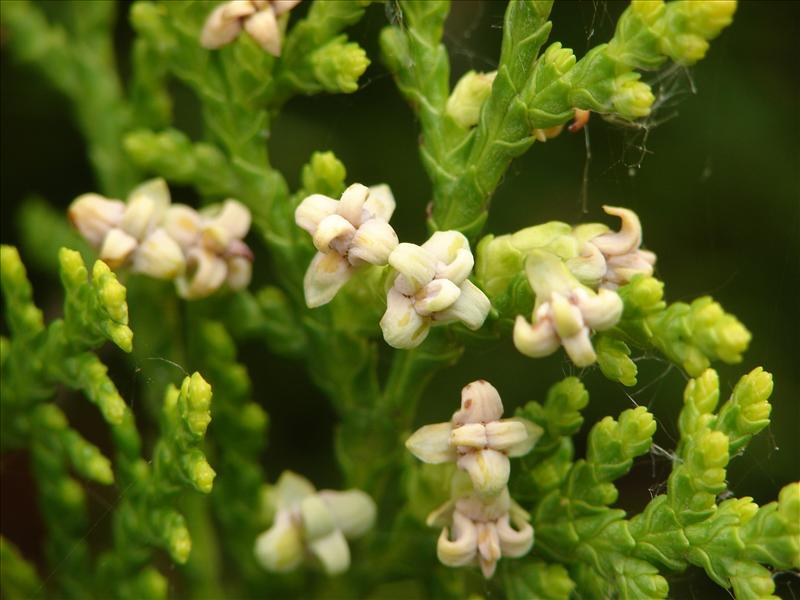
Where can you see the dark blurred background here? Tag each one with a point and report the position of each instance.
(714, 176)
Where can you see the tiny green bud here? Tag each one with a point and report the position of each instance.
(469, 94)
(146, 19)
(123, 338)
(713, 447)
(71, 494)
(561, 59)
(180, 544)
(151, 583)
(52, 417)
(747, 411)
(637, 427)
(709, 17)
(614, 444)
(85, 456)
(114, 408)
(703, 391)
(717, 333)
(694, 361)
(203, 475)
(613, 356)
(324, 174)
(689, 25)
(735, 339)
(752, 393)
(92, 376)
(198, 392)
(112, 292)
(632, 98)
(756, 412)
(688, 49)
(98, 468)
(20, 579)
(564, 402)
(254, 417)
(642, 296)
(339, 64)
(22, 315)
(744, 508)
(73, 270)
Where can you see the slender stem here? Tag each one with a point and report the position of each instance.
(203, 568)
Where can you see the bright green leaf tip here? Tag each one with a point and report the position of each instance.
(751, 396)
(324, 174)
(339, 64)
(71, 493)
(18, 577)
(24, 317)
(73, 270)
(203, 476)
(99, 470)
(195, 401)
(692, 335)
(114, 409)
(613, 357)
(152, 584)
(180, 545)
(642, 296)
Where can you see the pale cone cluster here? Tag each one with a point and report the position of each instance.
(347, 233)
(311, 524)
(481, 524)
(568, 311)
(622, 251)
(430, 285)
(259, 18)
(201, 251)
